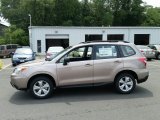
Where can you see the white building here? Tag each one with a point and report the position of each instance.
(42, 37)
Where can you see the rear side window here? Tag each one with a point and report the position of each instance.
(105, 52)
(127, 51)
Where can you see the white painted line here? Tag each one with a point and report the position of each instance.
(5, 67)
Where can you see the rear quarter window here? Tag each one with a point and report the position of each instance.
(127, 51)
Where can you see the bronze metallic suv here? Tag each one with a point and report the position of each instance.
(89, 63)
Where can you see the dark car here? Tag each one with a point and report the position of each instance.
(22, 55)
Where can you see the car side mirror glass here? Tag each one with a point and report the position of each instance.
(66, 61)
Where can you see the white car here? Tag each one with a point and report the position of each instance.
(52, 51)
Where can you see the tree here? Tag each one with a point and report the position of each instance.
(67, 12)
(14, 35)
(102, 13)
(152, 17)
(128, 12)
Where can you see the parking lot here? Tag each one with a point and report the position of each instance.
(83, 103)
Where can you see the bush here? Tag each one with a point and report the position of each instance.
(1, 64)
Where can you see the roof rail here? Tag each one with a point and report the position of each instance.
(104, 41)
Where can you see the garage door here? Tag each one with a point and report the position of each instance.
(141, 39)
(57, 40)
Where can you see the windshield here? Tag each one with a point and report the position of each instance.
(62, 52)
(23, 51)
(55, 49)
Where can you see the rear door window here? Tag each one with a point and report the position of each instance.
(105, 52)
(127, 51)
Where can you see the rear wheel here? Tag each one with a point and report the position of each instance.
(125, 83)
(41, 87)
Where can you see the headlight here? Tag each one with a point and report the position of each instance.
(19, 70)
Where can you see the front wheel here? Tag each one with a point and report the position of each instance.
(41, 87)
(125, 83)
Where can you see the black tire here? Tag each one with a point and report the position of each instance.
(120, 87)
(45, 81)
(158, 56)
(14, 64)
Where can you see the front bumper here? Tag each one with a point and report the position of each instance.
(18, 82)
(16, 62)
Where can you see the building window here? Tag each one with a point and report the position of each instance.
(93, 37)
(115, 37)
(141, 39)
(39, 46)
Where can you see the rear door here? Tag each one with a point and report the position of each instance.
(107, 63)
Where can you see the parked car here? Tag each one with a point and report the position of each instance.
(98, 63)
(22, 55)
(147, 52)
(6, 50)
(156, 48)
(52, 51)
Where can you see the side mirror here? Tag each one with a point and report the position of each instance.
(12, 53)
(66, 61)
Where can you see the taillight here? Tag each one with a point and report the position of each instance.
(142, 51)
(143, 60)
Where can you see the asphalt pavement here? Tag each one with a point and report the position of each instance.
(98, 103)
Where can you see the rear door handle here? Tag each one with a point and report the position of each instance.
(87, 65)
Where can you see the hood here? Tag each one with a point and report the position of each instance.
(22, 55)
(33, 63)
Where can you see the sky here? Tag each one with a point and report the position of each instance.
(155, 3)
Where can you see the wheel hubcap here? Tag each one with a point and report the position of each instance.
(41, 88)
(126, 84)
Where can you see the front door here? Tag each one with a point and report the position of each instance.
(79, 69)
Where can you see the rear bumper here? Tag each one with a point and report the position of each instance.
(143, 75)
(142, 80)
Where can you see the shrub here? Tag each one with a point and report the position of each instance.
(1, 64)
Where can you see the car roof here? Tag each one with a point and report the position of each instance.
(104, 42)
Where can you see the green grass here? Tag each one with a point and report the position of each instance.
(1, 64)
